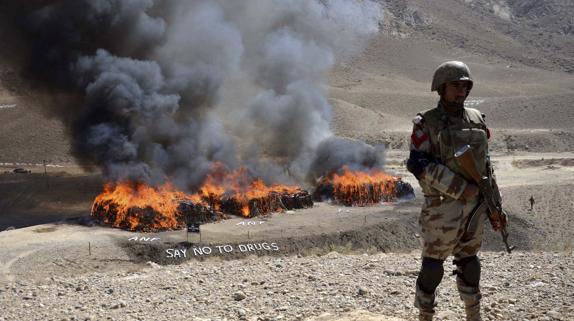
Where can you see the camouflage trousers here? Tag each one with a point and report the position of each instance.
(443, 223)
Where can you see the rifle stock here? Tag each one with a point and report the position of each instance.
(466, 160)
(496, 214)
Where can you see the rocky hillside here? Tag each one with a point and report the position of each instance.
(531, 32)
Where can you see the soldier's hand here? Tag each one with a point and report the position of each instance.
(496, 225)
(498, 220)
(470, 191)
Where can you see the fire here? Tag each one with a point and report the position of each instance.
(136, 206)
(358, 188)
(238, 192)
(128, 205)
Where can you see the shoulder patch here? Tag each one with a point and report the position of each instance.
(418, 137)
(418, 120)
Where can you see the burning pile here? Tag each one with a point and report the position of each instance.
(358, 188)
(136, 206)
(240, 194)
(139, 207)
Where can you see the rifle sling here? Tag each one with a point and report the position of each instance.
(475, 214)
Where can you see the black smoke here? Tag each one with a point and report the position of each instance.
(144, 86)
(334, 153)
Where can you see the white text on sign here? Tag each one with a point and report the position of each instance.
(222, 249)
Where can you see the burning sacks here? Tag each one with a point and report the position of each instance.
(300, 199)
(140, 207)
(272, 202)
(239, 193)
(196, 213)
(359, 188)
(134, 216)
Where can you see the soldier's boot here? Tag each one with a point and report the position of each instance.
(425, 302)
(425, 316)
(471, 296)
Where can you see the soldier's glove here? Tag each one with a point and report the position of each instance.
(417, 162)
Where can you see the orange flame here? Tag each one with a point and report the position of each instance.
(130, 201)
(240, 186)
(130, 205)
(363, 188)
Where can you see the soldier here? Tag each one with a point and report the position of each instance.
(531, 202)
(449, 195)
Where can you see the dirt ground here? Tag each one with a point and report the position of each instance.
(70, 248)
(524, 82)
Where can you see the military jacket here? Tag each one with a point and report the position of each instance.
(438, 135)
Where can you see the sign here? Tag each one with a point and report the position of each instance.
(222, 249)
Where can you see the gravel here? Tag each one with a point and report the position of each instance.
(521, 286)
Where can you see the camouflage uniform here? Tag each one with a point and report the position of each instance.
(444, 219)
(444, 216)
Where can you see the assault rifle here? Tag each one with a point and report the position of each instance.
(496, 214)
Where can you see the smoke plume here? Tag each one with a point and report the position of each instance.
(155, 90)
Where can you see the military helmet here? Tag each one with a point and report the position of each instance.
(451, 71)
